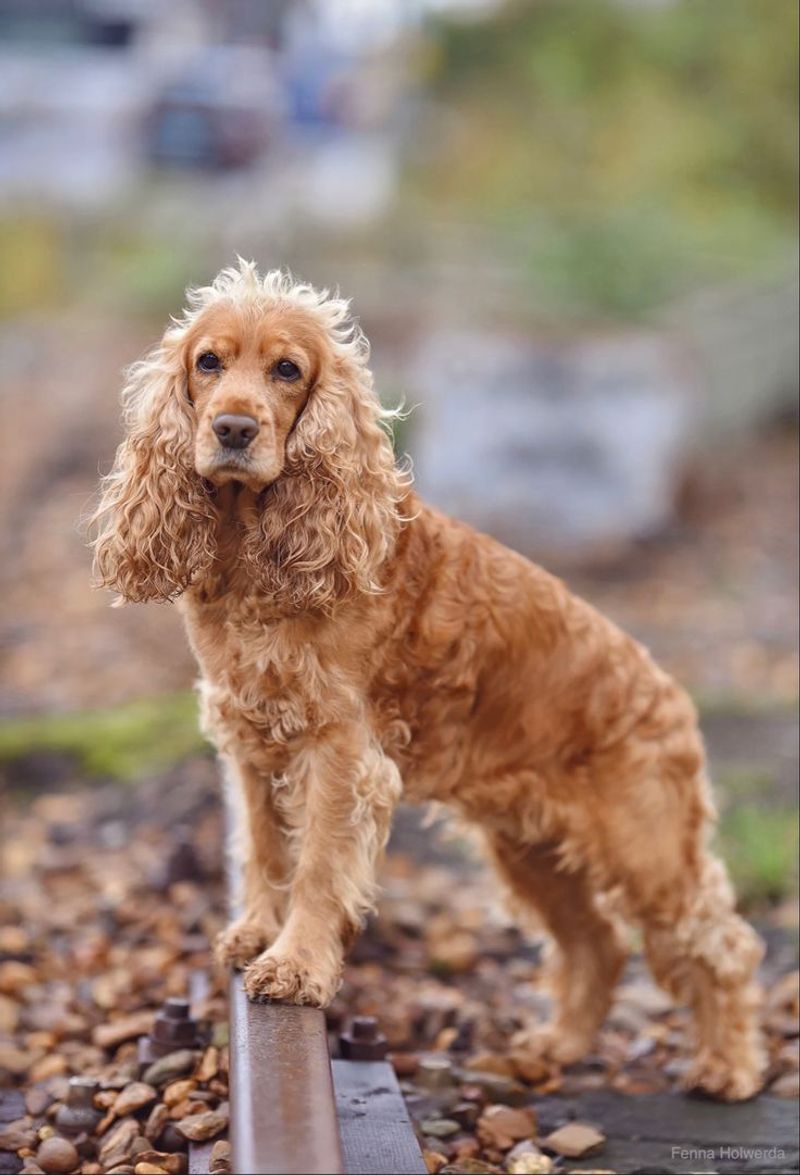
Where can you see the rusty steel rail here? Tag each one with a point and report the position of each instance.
(292, 1113)
(283, 1111)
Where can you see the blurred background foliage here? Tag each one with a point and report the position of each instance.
(656, 148)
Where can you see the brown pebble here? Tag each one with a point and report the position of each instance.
(219, 1162)
(168, 1068)
(177, 1091)
(404, 1064)
(156, 1121)
(201, 1127)
(116, 1147)
(175, 1164)
(171, 1139)
(17, 1135)
(51, 1066)
(209, 1065)
(108, 1036)
(57, 1156)
(134, 1097)
(149, 1169)
(575, 1140)
(37, 1100)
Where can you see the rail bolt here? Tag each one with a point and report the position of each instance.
(363, 1041)
(174, 1028)
(78, 1114)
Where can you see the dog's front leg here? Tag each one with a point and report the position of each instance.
(259, 847)
(350, 790)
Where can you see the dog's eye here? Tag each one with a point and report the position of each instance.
(208, 361)
(285, 369)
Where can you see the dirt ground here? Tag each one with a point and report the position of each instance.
(109, 898)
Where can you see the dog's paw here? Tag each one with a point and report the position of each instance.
(240, 943)
(717, 1078)
(277, 976)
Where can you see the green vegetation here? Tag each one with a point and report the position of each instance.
(631, 152)
(760, 845)
(758, 834)
(122, 743)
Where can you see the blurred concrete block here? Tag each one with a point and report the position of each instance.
(571, 444)
(745, 341)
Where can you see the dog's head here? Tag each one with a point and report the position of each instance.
(264, 383)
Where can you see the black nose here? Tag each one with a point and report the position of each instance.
(234, 432)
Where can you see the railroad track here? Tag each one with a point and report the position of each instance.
(294, 1111)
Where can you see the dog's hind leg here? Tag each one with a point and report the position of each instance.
(655, 839)
(706, 956)
(590, 950)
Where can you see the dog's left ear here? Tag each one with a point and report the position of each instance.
(331, 519)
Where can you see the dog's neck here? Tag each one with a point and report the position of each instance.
(237, 508)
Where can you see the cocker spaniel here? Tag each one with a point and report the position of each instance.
(356, 646)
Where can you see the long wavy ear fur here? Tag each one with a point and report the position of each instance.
(330, 521)
(154, 525)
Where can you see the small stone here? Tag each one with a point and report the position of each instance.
(209, 1065)
(496, 1063)
(439, 1127)
(177, 1091)
(170, 1067)
(134, 1097)
(51, 1066)
(435, 1073)
(498, 1089)
(108, 1036)
(404, 1064)
(117, 1146)
(57, 1156)
(502, 1126)
(531, 1069)
(170, 1139)
(469, 1167)
(575, 1140)
(219, 1162)
(37, 1099)
(157, 1120)
(16, 976)
(17, 1135)
(201, 1127)
(434, 1161)
(527, 1159)
(787, 1086)
(149, 1169)
(465, 1113)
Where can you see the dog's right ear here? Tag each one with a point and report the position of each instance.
(155, 522)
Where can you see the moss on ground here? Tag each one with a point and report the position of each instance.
(758, 833)
(121, 743)
(760, 845)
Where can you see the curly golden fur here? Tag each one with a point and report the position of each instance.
(356, 646)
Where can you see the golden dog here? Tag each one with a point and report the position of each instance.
(356, 646)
